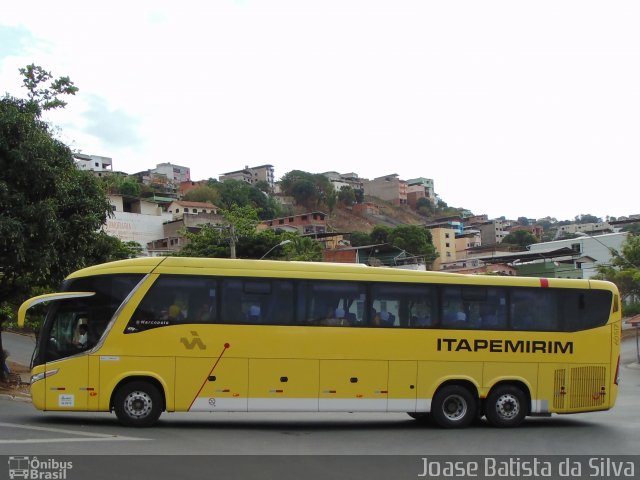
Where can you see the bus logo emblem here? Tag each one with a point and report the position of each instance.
(195, 341)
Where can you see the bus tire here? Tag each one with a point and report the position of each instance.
(453, 406)
(506, 406)
(138, 404)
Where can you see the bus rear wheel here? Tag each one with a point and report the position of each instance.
(506, 406)
(453, 406)
(138, 404)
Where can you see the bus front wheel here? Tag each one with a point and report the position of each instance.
(138, 404)
(453, 406)
(506, 406)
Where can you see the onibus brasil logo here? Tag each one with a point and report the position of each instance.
(38, 469)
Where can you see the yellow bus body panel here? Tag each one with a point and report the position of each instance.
(218, 367)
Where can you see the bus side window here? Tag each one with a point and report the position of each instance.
(333, 303)
(257, 301)
(175, 299)
(453, 312)
(400, 305)
(534, 310)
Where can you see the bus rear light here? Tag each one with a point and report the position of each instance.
(617, 380)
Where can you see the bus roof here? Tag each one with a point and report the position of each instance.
(319, 270)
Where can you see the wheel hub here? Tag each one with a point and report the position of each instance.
(138, 404)
(454, 407)
(507, 406)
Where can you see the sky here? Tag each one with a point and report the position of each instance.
(512, 108)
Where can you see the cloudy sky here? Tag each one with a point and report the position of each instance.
(513, 108)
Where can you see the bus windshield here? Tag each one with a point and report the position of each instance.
(77, 324)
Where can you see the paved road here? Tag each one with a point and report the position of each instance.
(20, 347)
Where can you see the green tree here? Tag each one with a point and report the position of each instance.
(204, 193)
(415, 240)
(44, 92)
(261, 244)
(304, 249)
(207, 242)
(222, 240)
(130, 187)
(233, 192)
(359, 239)
(106, 248)
(624, 268)
(380, 234)
(263, 186)
(346, 196)
(587, 218)
(632, 228)
(425, 207)
(265, 205)
(359, 192)
(308, 189)
(521, 238)
(50, 211)
(242, 223)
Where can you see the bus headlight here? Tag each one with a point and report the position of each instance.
(43, 375)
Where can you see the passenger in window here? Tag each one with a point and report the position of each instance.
(82, 339)
(387, 319)
(254, 315)
(456, 319)
(421, 317)
(421, 321)
(206, 313)
(175, 313)
(336, 317)
(82, 322)
(474, 320)
(384, 319)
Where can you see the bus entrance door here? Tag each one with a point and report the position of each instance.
(67, 387)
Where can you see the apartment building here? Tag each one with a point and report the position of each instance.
(174, 173)
(536, 230)
(93, 163)
(418, 188)
(252, 175)
(134, 219)
(179, 208)
(444, 239)
(388, 187)
(305, 223)
(590, 228)
(493, 231)
(340, 180)
(173, 238)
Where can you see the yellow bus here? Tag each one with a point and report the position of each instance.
(143, 336)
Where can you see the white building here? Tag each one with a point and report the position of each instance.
(252, 175)
(174, 173)
(137, 220)
(597, 247)
(179, 207)
(93, 163)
